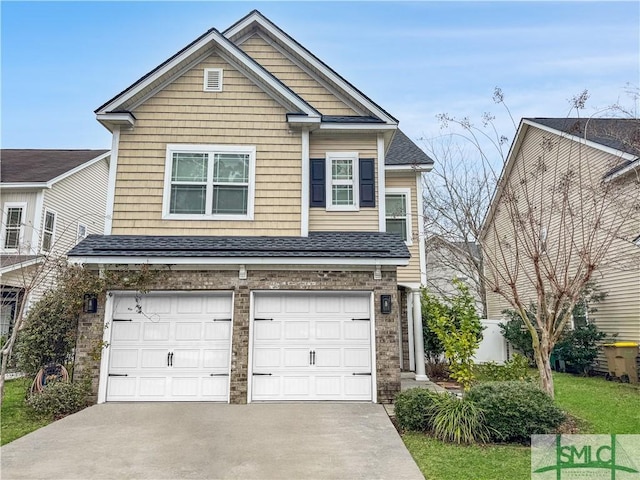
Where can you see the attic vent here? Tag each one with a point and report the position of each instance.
(212, 79)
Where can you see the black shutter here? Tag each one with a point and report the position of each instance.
(318, 187)
(367, 182)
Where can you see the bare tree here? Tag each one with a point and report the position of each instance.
(457, 194)
(562, 211)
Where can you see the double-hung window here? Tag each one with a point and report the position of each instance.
(13, 225)
(209, 182)
(48, 230)
(398, 212)
(342, 184)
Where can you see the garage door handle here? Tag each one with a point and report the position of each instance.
(267, 374)
(221, 319)
(118, 375)
(218, 374)
(121, 320)
(360, 319)
(361, 373)
(263, 319)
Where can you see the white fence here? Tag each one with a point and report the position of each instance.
(493, 347)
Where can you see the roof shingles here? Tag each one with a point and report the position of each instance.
(317, 244)
(35, 166)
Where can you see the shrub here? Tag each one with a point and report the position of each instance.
(458, 328)
(459, 420)
(515, 369)
(58, 399)
(415, 409)
(517, 334)
(579, 347)
(516, 410)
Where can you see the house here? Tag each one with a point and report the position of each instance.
(603, 155)
(51, 199)
(282, 205)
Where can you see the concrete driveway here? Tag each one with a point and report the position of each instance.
(204, 440)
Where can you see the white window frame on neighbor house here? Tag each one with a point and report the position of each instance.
(406, 193)
(353, 182)
(81, 236)
(49, 233)
(5, 217)
(210, 185)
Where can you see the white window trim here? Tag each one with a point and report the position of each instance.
(86, 232)
(3, 230)
(209, 149)
(207, 71)
(407, 199)
(53, 231)
(355, 181)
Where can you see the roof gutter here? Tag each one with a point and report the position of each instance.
(198, 261)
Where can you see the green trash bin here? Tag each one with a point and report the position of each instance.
(621, 361)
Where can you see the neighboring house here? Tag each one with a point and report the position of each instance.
(447, 261)
(264, 185)
(50, 199)
(611, 147)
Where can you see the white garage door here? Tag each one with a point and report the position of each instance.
(312, 346)
(170, 347)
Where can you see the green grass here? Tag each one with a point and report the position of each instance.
(445, 461)
(603, 407)
(16, 419)
(600, 406)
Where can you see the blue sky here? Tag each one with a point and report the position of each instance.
(61, 60)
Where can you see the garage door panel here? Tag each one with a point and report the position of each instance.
(122, 387)
(124, 358)
(266, 358)
(267, 330)
(217, 331)
(215, 388)
(155, 331)
(183, 358)
(188, 331)
(357, 358)
(125, 331)
(179, 324)
(328, 330)
(295, 357)
(319, 365)
(328, 386)
(327, 357)
(296, 387)
(356, 305)
(357, 330)
(357, 387)
(155, 386)
(216, 358)
(154, 358)
(296, 330)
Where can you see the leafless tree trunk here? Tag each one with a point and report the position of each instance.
(557, 218)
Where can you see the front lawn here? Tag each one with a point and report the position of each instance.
(601, 407)
(17, 420)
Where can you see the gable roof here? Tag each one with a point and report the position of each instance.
(117, 110)
(42, 166)
(619, 136)
(622, 134)
(189, 56)
(255, 19)
(403, 151)
(322, 247)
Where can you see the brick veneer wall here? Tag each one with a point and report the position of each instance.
(387, 354)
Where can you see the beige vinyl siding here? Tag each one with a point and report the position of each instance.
(366, 219)
(79, 198)
(294, 77)
(28, 215)
(182, 113)
(618, 275)
(410, 273)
